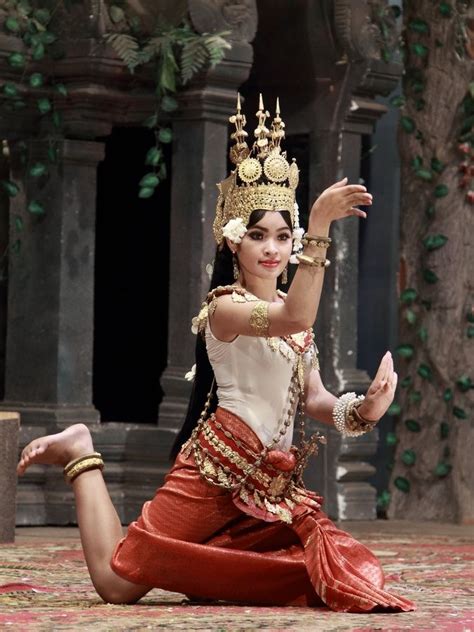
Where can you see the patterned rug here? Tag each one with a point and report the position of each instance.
(45, 586)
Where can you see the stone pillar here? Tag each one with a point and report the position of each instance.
(201, 136)
(51, 281)
(9, 424)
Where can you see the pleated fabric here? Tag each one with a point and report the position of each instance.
(197, 539)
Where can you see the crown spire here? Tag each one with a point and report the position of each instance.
(240, 150)
(261, 132)
(278, 129)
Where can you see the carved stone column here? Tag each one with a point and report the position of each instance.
(49, 340)
(199, 162)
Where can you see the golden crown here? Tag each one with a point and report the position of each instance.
(263, 178)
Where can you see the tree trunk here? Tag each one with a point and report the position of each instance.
(433, 474)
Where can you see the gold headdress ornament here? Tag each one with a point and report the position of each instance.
(263, 178)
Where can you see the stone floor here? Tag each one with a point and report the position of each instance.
(358, 529)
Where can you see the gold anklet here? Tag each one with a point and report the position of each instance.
(82, 464)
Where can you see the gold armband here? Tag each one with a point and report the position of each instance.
(314, 262)
(259, 319)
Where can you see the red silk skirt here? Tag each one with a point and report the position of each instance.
(194, 538)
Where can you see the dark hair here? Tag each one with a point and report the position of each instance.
(222, 274)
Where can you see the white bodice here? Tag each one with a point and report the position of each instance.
(253, 381)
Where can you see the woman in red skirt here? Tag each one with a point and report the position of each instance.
(234, 502)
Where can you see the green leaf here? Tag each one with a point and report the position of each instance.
(444, 430)
(18, 223)
(460, 413)
(416, 162)
(445, 9)
(16, 60)
(423, 334)
(153, 157)
(425, 372)
(162, 171)
(441, 190)
(52, 154)
(116, 14)
(402, 484)
(470, 331)
(151, 121)
(408, 124)
(418, 26)
(165, 135)
(415, 397)
(383, 499)
(42, 15)
(146, 192)
(410, 316)
(36, 80)
(437, 165)
(430, 276)
(419, 136)
(391, 438)
(38, 52)
(470, 316)
(413, 425)
(397, 101)
(57, 119)
(394, 409)
(12, 25)
(405, 351)
(61, 89)
(9, 89)
(464, 383)
(149, 180)
(418, 86)
(10, 187)
(430, 211)
(420, 50)
(442, 469)
(420, 104)
(167, 77)
(38, 169)
(433, 242)
(467, 124)
(168, 104)
(16, 246)
(448, 395)
(44, 105)
(408, 457)
(424, 174)
(36, 208)
(407, 381)
(408, 296)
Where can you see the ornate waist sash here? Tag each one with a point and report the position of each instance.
(228, 455)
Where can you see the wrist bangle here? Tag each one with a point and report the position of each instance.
(347, 419)
(313, 261)
(321, 242)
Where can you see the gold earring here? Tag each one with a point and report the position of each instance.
(284, 275)
(235, 267)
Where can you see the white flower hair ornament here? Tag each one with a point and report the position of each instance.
(234, 230)
(190, 375)
(297, 236)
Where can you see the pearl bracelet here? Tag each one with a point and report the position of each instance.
(342, 415)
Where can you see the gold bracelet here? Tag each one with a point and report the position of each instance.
(322, 242)
(313, 261)
(82, 464)
(259, 320)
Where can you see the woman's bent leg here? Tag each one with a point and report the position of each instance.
(99, 524)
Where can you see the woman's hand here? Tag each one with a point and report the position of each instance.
(338, 201)
(381, 392)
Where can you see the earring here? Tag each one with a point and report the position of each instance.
(284, 275)
(235, 267)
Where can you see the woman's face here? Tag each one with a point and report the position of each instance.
(265, 248)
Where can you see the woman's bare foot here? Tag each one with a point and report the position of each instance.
(57, 449)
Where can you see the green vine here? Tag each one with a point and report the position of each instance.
(177, 54)
(430, 173)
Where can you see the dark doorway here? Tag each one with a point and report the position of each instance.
(131, 283)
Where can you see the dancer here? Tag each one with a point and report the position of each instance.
(234, 502)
